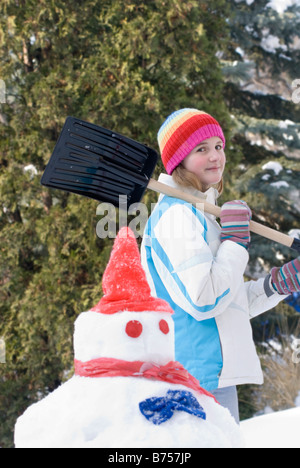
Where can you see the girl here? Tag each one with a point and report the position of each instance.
(198, 266)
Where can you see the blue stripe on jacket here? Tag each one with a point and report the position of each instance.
(197, 344)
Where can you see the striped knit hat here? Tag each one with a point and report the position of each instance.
(182, 132)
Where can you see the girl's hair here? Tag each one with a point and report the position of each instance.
(186, 178)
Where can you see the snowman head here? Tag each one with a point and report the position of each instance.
(128, 323)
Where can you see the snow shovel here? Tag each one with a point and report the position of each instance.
(104, 165)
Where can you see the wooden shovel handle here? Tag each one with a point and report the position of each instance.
(256, 228)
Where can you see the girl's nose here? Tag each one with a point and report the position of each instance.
(214, 156)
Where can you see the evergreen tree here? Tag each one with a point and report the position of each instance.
(125, 65)
(261, 69)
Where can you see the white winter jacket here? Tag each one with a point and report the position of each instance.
(202, 278)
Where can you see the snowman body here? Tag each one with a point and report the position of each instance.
(104, 413)
(91, 412)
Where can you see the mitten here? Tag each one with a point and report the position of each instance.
(286, 280)
(235, 221)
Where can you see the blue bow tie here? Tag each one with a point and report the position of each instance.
(160, 410)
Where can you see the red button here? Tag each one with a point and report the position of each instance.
(134, 328)
(164, 327)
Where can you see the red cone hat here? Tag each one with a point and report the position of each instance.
(124, 282)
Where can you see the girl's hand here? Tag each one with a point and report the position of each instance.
(235, 221)
(286, 280)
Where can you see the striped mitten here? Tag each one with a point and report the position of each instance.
(286, 280)
(235, 221)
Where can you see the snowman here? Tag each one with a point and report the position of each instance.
(127, 390)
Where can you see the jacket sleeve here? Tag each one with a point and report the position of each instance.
(198, 282)
(258, 299)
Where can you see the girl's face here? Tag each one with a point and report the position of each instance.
(207, 161)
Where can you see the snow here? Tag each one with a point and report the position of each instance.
(286, 124)
(92, 331)
(249, 2)
(282, 5)
(32, 170)
(240, 51)
(278, 5)
(273, 166)
(280, 184)
(295, 233)
(276, 430)
(271, 43)
(104, 413)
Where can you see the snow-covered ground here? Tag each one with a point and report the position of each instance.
(276, 430)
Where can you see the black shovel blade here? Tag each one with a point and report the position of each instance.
(101, 164)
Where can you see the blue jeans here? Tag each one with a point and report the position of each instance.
(228, 398)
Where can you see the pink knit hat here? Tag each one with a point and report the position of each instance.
(182, 132)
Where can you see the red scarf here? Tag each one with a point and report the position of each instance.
(173, 372)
